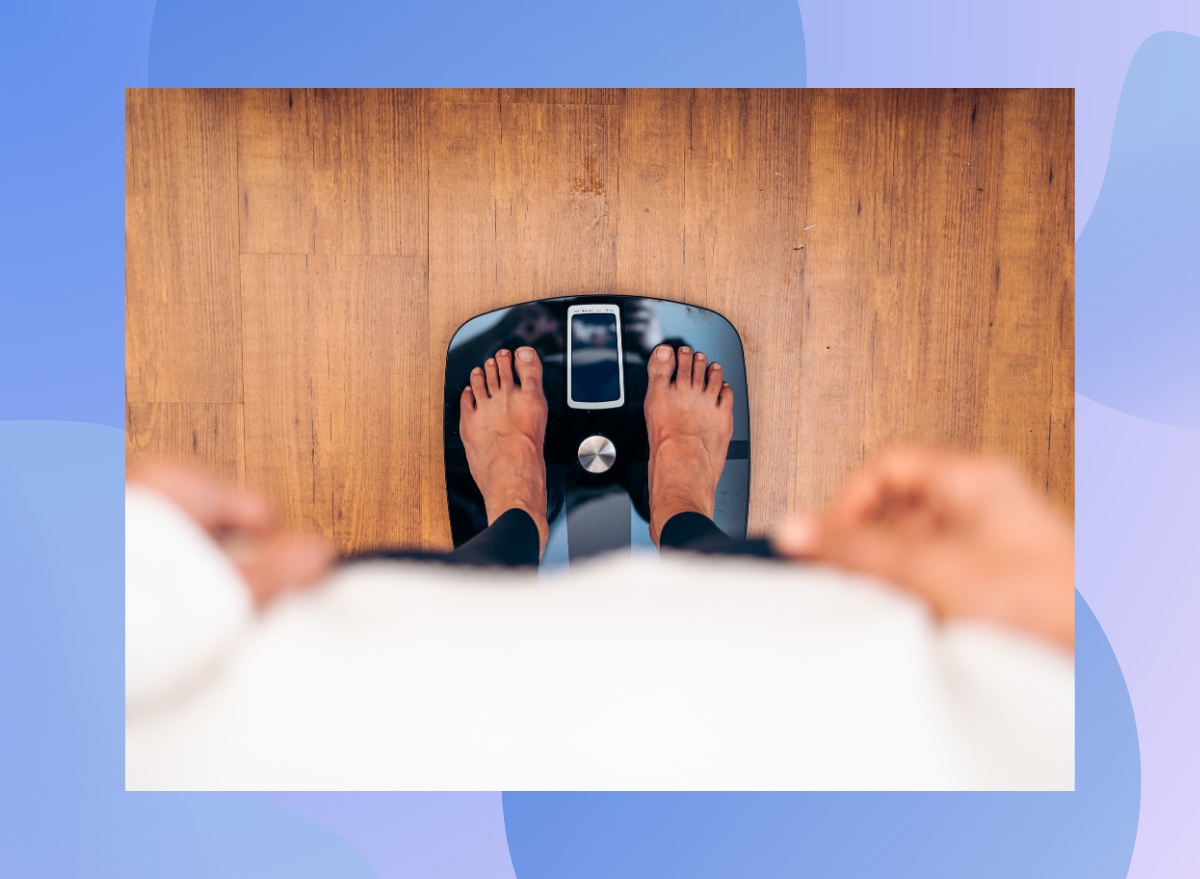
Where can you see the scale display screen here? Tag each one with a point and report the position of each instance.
(595, 358)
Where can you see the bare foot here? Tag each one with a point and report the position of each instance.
(690, 421)
(503, 427)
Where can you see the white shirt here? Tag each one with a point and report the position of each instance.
(681, 673)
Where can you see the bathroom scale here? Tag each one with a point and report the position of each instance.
(594, 351)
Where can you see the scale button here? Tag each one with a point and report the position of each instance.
(596, 454)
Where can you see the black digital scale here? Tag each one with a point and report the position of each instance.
(594, 351)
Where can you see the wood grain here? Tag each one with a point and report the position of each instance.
(371, 411)
(556, 188)
(182, 325)
(207, 435)
(335, 401)
(461, 96)
(463, 215)
(746, 204)
(369, 162)
(651, 168)
(463, 263)
(277, 177)
(899, 265)
(561, 96)
(1029, 414)
(284, 331)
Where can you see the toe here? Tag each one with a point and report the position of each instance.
(492, 373)
(478, 385)
(529, 368)
(726, 396)
(683, 375)
(504, 368)
(699, 368)
(466, 403)
(661, 363)
(713, 385)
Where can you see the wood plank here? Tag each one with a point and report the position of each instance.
(370, 171)
(333, 171)
(849, 144)
(1029, 411)
(746, 204)
(652, 162)
(372, 399)
(336, 372)
(912, 210)
(284, 333)
(556, 178)
(462, 96)
(929, 308)
(276, 171)
(561, 96)
(183, 332)
(464, 262)
(207, 435)
(463, 221)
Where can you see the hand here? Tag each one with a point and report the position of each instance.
(245, 527)
(965, 533)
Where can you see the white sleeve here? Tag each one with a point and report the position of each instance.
(185, 602)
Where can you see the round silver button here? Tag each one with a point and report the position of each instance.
(596, 454)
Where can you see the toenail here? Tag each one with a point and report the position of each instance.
(503, 352)
(716, 366)
(476, 371)
(526, 354)
(684, 349)
(663, 353)
(699, 356)
(491, 361)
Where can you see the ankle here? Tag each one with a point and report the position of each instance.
(665, 509)
(528, 504)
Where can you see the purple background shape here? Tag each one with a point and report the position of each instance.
(60, 355)
(1136, 260)
(1138, 504)
(431, 835)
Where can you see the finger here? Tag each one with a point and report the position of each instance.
(216, 504)
(865, 548)
(284, 563)
(963, 483)
(940, 487)
(893, 473)
(798, 538)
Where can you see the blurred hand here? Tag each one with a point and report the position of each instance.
(245, 527)
(965, 533)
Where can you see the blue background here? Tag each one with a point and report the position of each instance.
(62, 809)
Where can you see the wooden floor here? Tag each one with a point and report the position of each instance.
(899, 265)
